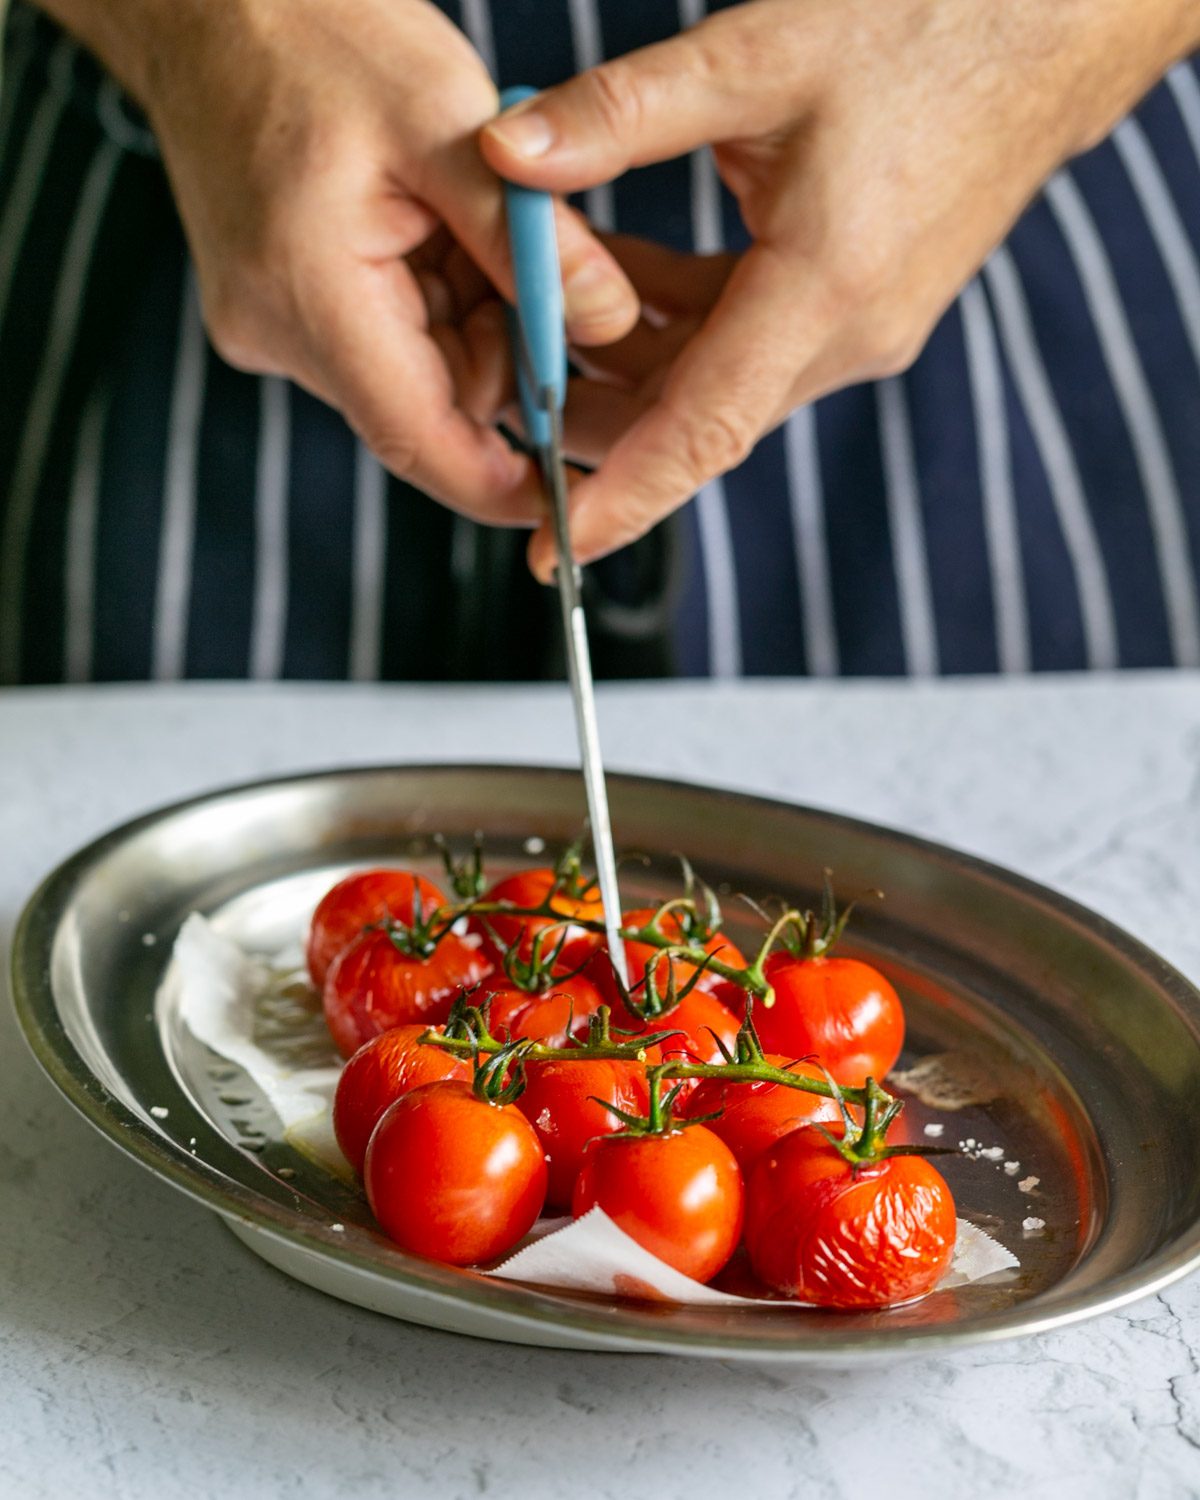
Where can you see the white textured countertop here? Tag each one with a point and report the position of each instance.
(143, 1352)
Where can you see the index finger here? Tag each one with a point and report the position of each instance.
(368, 338)
(734, 381)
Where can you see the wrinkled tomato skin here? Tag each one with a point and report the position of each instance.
(551, 1018)
(841, 1012)
(679, 1195)
(561, 1103)
(453, 1178)
(528, 888)
(842, 1237)
(755, 1115)
(380, 1072)
(356, 902)
(371, 986)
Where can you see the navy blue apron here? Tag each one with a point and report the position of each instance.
(1026, 497)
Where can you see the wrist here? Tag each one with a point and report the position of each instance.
(135, 39)
(1121, 50)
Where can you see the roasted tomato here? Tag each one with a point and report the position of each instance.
(373, 985)
(565, 1103)
(679, 1194)
(380, 1072)
(454, 1177)
(559, 1012)
(839, 1011)
(529, 888)
(358, 901)
(824, 1230)
(753, 1115)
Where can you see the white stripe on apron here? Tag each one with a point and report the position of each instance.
(80, 564)
(917, 628)
(1132, 389)
(177, 539)
(35, 153)
(1062, 473)
(807, 497)
(1185, 87)
(370, 556)
(477, 23)
(268, 629)
(996, 481)
(716, 536)
(43, 403)
(1162, 217)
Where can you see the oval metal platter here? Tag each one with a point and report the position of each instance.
(1083, 1047)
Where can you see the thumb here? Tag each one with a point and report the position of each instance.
(600, 302)
(698, 88)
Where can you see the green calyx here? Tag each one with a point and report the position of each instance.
(465, 874)
(659, 1119)
(493, 1082)
(814, 934)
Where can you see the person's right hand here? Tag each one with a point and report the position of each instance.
(345, 231)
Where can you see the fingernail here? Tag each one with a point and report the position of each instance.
(525, 132)
(594, 294)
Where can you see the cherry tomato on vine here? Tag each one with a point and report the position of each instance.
(356, 902)
(372, 986)
(528, 888)
(754, 1115)
(638, 955)
(454, 1177)
(678, 1194)
(824, 1230)
(697, 1024)
(560, 1101)
(840, 1011)
(560, 1012)
(380, 1072)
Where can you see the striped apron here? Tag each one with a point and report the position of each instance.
(1025, 497)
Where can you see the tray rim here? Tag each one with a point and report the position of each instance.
(38, 1018)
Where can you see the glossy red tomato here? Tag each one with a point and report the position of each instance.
(753, 1115)
(840, 1011)
(529, 888)
(680, 1195)
(560, 1012)
(358, 901)
(372, 986)
(561, 1102)
(453, 1177)
(823, 1231)
(378, 1074)
(638, 955)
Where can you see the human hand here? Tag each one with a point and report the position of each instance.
(877, 153)
(345, 231)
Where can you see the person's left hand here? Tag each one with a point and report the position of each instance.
(877, 153)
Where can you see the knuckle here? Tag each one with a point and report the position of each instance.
(234, 329)
(715, 441)
(890, 347)
(616, 98)
(396, 449)
(859, 278)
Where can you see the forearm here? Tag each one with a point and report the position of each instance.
(125, 34)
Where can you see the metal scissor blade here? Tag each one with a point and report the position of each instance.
(579, 669)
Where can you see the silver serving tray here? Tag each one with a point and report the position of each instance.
(1093, 1043)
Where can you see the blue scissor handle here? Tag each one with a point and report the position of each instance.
(538, 331)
